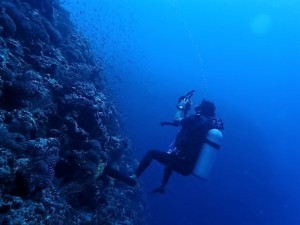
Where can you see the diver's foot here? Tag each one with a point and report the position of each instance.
(134, 176)
(159, 190)
(134, 179)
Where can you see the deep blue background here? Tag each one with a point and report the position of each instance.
(243, 55)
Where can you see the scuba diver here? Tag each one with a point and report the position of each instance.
(188, 143)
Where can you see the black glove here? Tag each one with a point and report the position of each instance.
(175, 124)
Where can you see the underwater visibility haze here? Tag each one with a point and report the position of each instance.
(242, 55)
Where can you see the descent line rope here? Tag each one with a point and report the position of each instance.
(195, 44)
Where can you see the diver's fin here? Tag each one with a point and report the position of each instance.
(112, 172)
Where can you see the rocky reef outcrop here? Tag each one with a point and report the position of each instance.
(58, 127)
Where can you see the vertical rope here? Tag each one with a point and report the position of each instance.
(195, 44)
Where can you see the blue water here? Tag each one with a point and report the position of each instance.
(244, 56)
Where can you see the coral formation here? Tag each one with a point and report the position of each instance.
(58, 128)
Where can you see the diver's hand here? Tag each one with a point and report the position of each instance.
(184, 104)
(175, 124)
(163, 123)
(160, 190)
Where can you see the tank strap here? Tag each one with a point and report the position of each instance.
(212, 144)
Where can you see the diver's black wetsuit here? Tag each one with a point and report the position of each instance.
(188, 142)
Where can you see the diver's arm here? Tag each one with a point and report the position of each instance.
(165, 123)
(178, 117)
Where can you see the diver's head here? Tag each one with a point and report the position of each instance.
(206, 108)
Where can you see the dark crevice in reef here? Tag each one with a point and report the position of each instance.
(58, 127)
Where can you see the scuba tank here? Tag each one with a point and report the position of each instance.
(208, 154)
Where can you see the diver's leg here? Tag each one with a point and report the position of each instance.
(159, 156)
(167, 173)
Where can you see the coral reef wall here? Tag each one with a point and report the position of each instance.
(58, 127)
